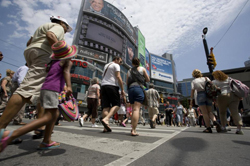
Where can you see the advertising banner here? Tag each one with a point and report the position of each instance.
(130, 53)
(147, 62)
(92, 54)
(161, 68)
(141, 49)
(105, 9)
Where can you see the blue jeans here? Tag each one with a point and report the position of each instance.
(135, 93)
(202, 99)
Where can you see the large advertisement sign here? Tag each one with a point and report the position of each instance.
(161, 68)
(147, 62)
(130, 53)
(141, 48)
(92, 54)
(102, 35)
(105, 9)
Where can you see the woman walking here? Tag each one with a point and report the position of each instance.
(225, 100)
(135, 92)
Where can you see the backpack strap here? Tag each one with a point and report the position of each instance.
(106, 70)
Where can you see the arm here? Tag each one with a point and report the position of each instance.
(51, 37)
(4, 83)
(22, 75)
(118, 76)
(66, 74)
(98, 96)
(28, 43)
(146, 76)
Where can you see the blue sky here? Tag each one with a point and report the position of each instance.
(172, 26)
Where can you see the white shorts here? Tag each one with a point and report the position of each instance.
(122, 110)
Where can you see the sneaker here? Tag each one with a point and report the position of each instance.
(228, 128)
(94, 125)
(240, 132)
(81, 121)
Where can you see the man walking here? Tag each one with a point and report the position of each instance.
(37, 55)
(16, 81)
(168, 110)
(110, 97)
(153, 104)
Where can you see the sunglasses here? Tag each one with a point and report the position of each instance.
(120, 62)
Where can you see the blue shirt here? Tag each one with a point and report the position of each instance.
(20, 74)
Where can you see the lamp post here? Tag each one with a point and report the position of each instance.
(210, 66)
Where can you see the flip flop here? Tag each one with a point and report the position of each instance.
(106, 126)
(134, 134)
(48, 146)
(38, 136)
(4, 140)
(16, 141)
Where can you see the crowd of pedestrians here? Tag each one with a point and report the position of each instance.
(47, 73)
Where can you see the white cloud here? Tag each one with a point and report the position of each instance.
(6, 3)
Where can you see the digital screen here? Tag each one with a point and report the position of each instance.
(106, 37)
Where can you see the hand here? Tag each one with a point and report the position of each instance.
(68, 91)
(123, 93)
(5, 94)
(99, 102)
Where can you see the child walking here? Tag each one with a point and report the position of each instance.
(58, 75)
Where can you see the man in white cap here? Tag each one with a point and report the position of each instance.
(37, 55)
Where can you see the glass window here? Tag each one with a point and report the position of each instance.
(81, 88)
(82, 71)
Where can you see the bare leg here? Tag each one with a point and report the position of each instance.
(111, 112)
(135, 116)
(15, 103)
(40, 113)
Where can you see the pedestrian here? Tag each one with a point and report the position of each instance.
(153, 104)
(168, 111)
(141, 117)
(128, 112)
(1, 57)
(16, 81)
(93, 102)
(110, 97)
(227, 99)
(205, 103)
(58, 75)
(200, 118)
(191, 116)
(135, 91)
(37, 56)
(179, 114)
(6, 84)
(122, 111)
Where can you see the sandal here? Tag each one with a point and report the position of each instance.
(208, 130)
(136, 134)
(49, 146)
(4, 140)
(39, 135)
(106, 126)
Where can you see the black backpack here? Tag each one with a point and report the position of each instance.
(211, 90)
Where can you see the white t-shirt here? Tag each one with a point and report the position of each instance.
(223, 85)
(198, 84)
(191, 113)
(110, 78)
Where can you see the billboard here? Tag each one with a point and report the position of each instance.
(105, 9)
(147, 62)
(92, 54)
(104, 36)
(141, 49)
(130, 53)
(161, 68)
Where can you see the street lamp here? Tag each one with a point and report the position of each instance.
(206, 49)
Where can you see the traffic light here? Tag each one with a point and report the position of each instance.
(162, 100)
(211, 59)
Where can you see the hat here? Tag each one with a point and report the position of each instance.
(61, 19)
(63, 51)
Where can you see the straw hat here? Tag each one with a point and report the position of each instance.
(63, 51)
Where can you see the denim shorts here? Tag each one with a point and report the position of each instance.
(202, 99)
(135, 93)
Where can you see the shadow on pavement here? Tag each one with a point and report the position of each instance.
(242, 142)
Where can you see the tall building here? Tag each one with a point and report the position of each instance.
(101, 35)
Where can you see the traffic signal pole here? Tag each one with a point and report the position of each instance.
(210, 66)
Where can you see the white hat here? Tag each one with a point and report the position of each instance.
(61, 19)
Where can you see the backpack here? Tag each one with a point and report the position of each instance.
(211, 90)
(238, 88)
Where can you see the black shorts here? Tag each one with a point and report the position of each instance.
(110, 96)
(92, 107)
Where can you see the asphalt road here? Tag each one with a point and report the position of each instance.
(171, 146)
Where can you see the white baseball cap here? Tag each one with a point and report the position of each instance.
(61, 19)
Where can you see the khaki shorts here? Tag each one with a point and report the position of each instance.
(31, 85)
(152, 111)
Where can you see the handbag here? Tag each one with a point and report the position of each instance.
(145, 101)
(68, 107)
(211, 90)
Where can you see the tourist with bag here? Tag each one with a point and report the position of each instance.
(227, 99)
(203, 101)
(136, 80)
(58, 75)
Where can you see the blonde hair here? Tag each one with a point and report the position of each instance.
(8, 72)
(219, 75)
(196, 73)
